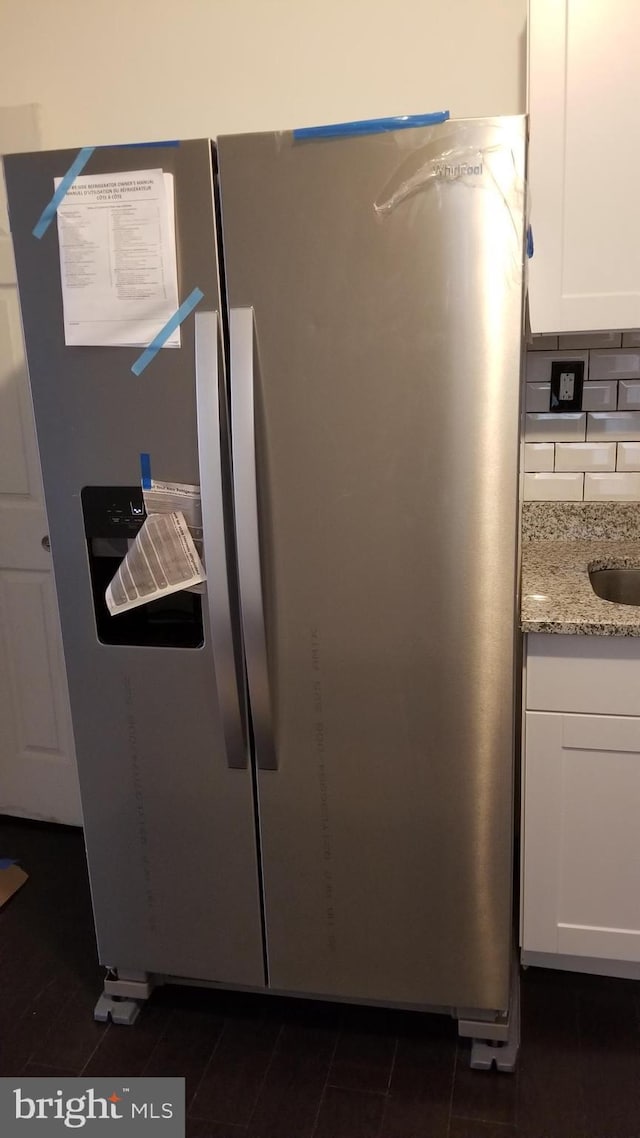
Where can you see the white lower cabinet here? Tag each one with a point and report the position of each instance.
(581, 827)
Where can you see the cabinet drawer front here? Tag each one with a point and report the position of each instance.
(601, 943)
(596, 675)
(601, 733)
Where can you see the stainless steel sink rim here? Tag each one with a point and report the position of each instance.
(616, 585)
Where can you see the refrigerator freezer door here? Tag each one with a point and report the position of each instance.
(167, 799)
(385, 275)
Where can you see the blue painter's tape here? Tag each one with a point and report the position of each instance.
(530, 249)
(141, 145)
(7, 862)
(145, 471)
(76, 167)
(181, 314)
(369, 126)
(49, 211)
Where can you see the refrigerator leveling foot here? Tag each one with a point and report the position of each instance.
(123, 995)
(117, 1010)
(484, 1054)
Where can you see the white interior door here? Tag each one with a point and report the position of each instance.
(38, 776)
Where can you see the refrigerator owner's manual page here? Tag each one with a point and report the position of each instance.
(118, 263)
(162, 559)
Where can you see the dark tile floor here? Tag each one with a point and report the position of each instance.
(260, 1067)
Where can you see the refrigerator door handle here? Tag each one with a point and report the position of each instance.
(247, 532)
(214, 544)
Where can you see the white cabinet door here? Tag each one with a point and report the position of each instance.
(38, 775)
(581, 878)
(584, 91)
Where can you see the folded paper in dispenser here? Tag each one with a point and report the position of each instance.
(161, 560)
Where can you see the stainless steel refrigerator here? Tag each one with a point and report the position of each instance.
(347, 394)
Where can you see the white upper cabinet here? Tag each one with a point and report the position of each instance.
(584, 164)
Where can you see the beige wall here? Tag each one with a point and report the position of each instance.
(109, 70)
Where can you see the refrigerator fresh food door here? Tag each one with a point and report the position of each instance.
(166, 785)
(375, 290)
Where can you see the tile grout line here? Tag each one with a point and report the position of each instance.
(208, 1062)
(453, 1087)
(385, 1097)
(577, 1021)
(636, 1005)
(52, 1066)
(393, 1063)
(97, 1046)
(158, 1041)
(54, 1022)
(28, 1012)
(485, 1121)
(359, 1091)
(516, 1075)
(326, 1081)
(266, 1072)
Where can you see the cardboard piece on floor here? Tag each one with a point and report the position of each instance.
(12, 877)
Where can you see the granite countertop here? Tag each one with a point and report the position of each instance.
(560, 543)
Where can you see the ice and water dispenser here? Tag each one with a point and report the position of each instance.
(112, 517)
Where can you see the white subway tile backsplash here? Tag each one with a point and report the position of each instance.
(599, 396)
(611, 487)
(539, 364)
(585, 456)
(622, 364)
(543, 344)
(603, 426)
(553, 487)
(590, 340)
(629, 395)
(628, 456)
(538, 396)
(593, 454)
(538, 457)
(569, 428)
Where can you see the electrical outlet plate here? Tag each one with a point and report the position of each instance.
(567, 379)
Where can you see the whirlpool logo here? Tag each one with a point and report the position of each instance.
(457, 170)
(48, 1106)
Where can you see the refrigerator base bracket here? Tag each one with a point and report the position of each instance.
(495, 1029)
(497, 1043)
(117, 1010)
(128, 985)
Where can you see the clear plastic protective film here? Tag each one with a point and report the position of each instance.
(455, 159)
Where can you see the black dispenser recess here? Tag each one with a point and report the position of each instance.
(112, 517)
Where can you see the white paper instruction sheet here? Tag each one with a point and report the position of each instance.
(165, 555)
(118, 261)
(167, 497)
(161, 560)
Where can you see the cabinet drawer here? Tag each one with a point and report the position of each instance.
(601, 733)
(595, 675)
